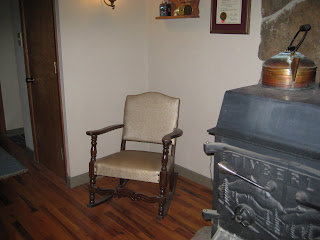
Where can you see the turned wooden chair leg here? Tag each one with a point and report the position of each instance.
(92, 190)
(92, 175)
(162, 194)
(162, 202)
(165, 201)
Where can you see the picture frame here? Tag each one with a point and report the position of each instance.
(230, 17)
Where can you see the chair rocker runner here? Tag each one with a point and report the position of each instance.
(152, 118)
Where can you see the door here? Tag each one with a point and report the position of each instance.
(38, 24)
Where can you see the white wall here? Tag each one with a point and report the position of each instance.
(188, 62)
(103, 58)
(107, 54)
(8, 70)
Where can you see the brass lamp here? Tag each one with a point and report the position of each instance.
(112, 3)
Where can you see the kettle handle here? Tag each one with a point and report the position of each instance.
(303, 28)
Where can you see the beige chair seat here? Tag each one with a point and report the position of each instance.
(134, 165)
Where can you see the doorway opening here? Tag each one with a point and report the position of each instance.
(15, 115)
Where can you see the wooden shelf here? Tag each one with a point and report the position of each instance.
(175, 4)
(174, 17)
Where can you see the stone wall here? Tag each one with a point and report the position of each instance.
(281, 20)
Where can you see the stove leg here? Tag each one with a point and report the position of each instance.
(213, 215)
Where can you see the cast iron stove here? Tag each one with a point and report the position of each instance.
(266, 165)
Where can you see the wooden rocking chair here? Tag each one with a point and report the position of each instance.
(152, 118)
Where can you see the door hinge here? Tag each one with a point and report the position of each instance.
(20, 39)
(62, 154)
(55, 67)
(29, 80)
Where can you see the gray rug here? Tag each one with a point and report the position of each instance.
(203, 234)
(9, 166)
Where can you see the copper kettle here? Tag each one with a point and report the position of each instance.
(290, 70)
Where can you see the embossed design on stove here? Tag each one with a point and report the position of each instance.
(259, 210)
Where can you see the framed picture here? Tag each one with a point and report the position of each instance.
(230, 16)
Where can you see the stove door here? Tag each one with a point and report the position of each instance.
(264, 197)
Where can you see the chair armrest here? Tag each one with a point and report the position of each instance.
(104, 130)
(176, 133)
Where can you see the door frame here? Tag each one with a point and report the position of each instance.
(3, 128)
(31, 107)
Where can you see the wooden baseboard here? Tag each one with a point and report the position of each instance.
(184, 172)
(193, 176)
(29, 153)
(78, 180)
(14, 132)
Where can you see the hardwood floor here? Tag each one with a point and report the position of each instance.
(38, 205)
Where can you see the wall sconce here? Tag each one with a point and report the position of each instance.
(110, 5)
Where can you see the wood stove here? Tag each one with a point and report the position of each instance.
(266, 165)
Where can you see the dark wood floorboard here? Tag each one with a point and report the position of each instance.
(39, 205)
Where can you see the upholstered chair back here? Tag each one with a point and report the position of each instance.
(149, 116)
